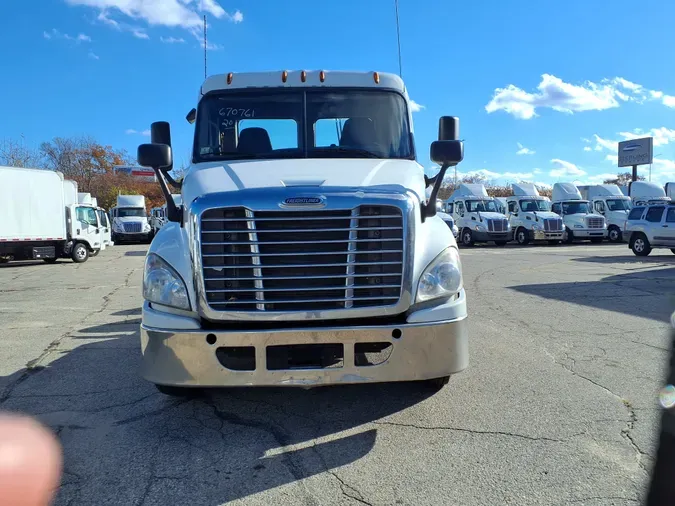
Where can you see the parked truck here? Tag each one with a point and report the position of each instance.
(130, 220)
(310, 263)
(609, 201)
(669, 189)
(530, 216)
(578, 216)
(643, 193)
(478, 216)
(40, 218)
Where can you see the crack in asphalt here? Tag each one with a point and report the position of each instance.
(481, 432)
(601, 498)
(32, 366)
(348, 490)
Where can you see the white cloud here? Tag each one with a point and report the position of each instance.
(587, 148)
(536, 171)
(55, 34)
(601, 143)
(563, 169)
(522, 150)
(599, 178)
(553, 93)
(662, 135)
(415, 107)
(172, 40)
(140, 34)
(93, 55)
(131, 131)
(184, 14)
(547, 186)
(517, 176)
(612, 158)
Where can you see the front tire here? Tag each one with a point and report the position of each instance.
(568, 237)
(467, 237)
(522, 237)
(640, 246)
(94, 253)
(80, 253)
(614, 234)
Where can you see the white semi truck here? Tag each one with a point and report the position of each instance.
(609, 201)
(643, 193)
(578, 216)
(130, 221)
(530, 216)
(669, 188)
(305, 257)
(40, 218)
(478, 216)
(158, 214)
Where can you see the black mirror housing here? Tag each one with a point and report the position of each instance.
(447, 152)
(157, 156)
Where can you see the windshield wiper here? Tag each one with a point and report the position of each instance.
(249, 156)
(363, 153)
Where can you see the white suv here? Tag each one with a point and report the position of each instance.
(651, 226)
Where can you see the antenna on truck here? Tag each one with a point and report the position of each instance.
(398, 40)
(204, 46)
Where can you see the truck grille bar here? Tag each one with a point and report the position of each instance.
(262, 261)
(595, 222)
(553, 225)
(498, 225)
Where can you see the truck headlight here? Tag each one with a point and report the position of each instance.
(537, 226)
(480, 226)
(442, 278)
(578, 226)
(146, 227)
(117, 227)
(163, 285)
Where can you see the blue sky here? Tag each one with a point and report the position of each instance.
(557, 83)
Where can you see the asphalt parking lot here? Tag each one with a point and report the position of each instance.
(558, 406)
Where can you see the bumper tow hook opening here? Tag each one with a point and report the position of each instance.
(396, 333)
(211, 339)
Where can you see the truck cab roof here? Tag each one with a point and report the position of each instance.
(302, 79)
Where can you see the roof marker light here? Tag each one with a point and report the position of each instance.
(284, 76)
(322, 76)
(229, 78)
(303, 76)
(376, 77)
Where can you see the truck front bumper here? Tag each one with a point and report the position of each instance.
(580, 233)
(304, 356)
(126, 237)
(480, 236)
(541, 235)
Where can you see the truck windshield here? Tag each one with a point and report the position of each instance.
(575, 208)
(125, 212)
(618, 204)
(297, 123)
(482, 205)
(529, 205)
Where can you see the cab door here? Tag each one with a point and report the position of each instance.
(87, 226)
(106, 231)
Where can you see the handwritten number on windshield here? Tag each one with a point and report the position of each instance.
(237, 113)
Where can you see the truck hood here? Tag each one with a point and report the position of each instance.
(131, 219)
(543, 214)
(491, 216)
(395, 175)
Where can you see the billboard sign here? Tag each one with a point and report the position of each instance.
(636, 152)
(140, 173)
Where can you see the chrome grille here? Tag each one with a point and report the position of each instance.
(553, 225)
(595, 222)
(132, 227)
(498, 225)
(255, 261)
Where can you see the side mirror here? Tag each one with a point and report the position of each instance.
(157, 156)
(449, 152)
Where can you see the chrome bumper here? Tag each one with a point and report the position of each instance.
(423, 351)
(589, 232)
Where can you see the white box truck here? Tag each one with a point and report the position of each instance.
(130, 221)
(307, 262)
(478, 216)
(578, 216)
(609, 201)
(41, 219)
(530, 216)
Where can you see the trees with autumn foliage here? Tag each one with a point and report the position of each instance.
(86, 161)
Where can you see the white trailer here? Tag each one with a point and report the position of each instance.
(670, 190)
(579, 219)
(41, 218)
(609, 201)
(130, 220)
